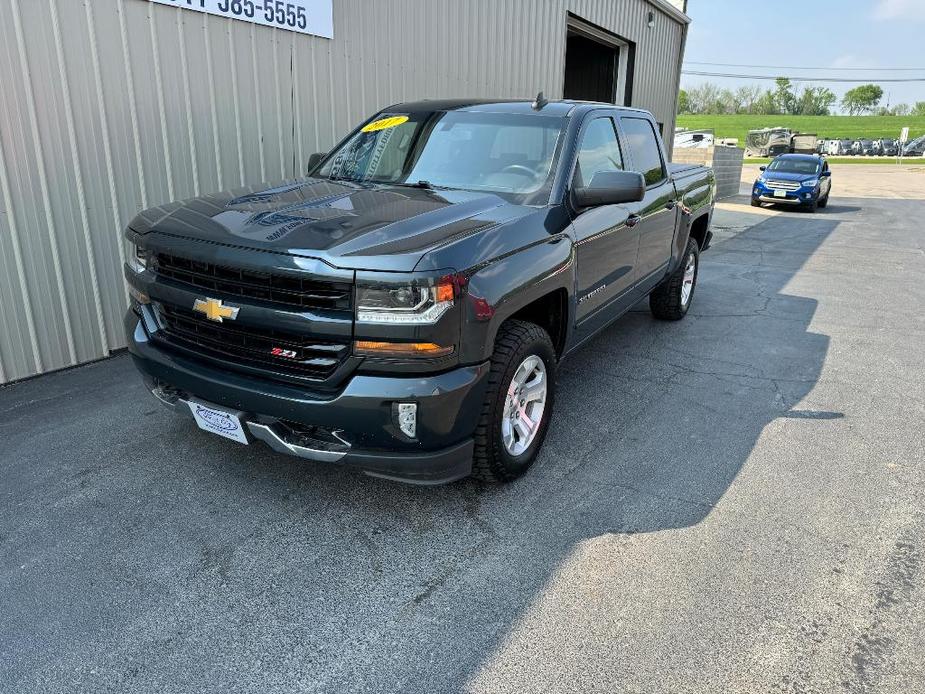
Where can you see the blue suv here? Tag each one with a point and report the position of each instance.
(802, 180)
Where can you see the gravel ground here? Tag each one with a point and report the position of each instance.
(731, 503)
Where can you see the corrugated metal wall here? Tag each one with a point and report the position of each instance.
(111, 106)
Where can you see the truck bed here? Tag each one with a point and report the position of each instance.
(683, 170)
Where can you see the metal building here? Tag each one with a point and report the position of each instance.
(111, 106)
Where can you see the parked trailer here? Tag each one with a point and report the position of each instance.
(803, 143)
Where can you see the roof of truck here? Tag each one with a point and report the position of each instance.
(559, 107)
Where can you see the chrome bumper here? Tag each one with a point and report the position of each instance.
(780, 201)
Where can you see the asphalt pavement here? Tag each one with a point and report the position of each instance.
(730, 503)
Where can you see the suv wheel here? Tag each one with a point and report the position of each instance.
(518, 404)
(671, 299)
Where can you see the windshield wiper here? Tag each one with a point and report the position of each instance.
(427, 185)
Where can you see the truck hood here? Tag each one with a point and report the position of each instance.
(361, 226)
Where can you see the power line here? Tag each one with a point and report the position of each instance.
(802, 79)
(800, 67)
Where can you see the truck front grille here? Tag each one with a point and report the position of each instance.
(287, 290)
(280, 352)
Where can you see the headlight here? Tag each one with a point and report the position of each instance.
(405, 303)
(137, 259)
(811, 183)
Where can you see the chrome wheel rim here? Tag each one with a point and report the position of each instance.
(687, 286)
(524, 405)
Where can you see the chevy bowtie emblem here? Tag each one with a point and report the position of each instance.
(215, 310)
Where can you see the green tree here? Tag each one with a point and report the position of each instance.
(684, 102)
(748, 96)
(783, 94)
(704, 98)
(766, 104)
(900, 110)
(815, 101)
(862, 99)
(918, 109)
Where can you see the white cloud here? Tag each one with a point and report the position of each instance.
(898, 9)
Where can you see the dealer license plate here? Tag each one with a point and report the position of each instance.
(780, 193)
(219, 422)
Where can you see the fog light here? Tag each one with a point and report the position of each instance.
(408, 418)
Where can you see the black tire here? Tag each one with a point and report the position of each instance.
(824, 202)
(756, 203)
(665, 301)
(516, 341)
(812, 206)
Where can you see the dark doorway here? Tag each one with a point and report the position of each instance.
(590, 69)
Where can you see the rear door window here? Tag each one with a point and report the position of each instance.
(643, 150)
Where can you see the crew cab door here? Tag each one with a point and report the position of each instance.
(606, 245)
(657, 213)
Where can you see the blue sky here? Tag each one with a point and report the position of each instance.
(819, 33)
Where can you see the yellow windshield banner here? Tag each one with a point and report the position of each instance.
(384, 123)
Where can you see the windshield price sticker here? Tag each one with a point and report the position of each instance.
(385, 123)
(303, 16)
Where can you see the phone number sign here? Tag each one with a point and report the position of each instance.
(304, 16)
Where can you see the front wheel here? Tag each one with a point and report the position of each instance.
(518, 404)
(671, 299)
(824, 201)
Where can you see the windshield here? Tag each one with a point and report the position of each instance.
(508, 154)
(794, 166)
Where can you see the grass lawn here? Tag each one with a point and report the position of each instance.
(829, 127)
(920, 161)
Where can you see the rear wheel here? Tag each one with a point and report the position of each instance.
(671, 299)
(518, 404)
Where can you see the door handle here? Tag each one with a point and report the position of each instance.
(670, 204)
(633, 220)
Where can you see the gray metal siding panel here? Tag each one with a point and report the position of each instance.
(111, 106)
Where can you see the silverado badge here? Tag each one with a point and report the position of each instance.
(215, 310)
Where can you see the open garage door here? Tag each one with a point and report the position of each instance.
(596, 64)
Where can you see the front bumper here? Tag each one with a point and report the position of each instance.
(358, 420)
(792, 197)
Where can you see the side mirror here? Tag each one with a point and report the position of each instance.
(314, 160)
(825, 174)
(611, 188)
(762, 168)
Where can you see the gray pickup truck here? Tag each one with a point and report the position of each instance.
(402, 309)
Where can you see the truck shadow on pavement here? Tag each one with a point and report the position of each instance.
(165, 559)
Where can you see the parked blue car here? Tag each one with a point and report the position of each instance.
(802, 180)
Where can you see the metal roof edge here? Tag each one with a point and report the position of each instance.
(670, 10)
